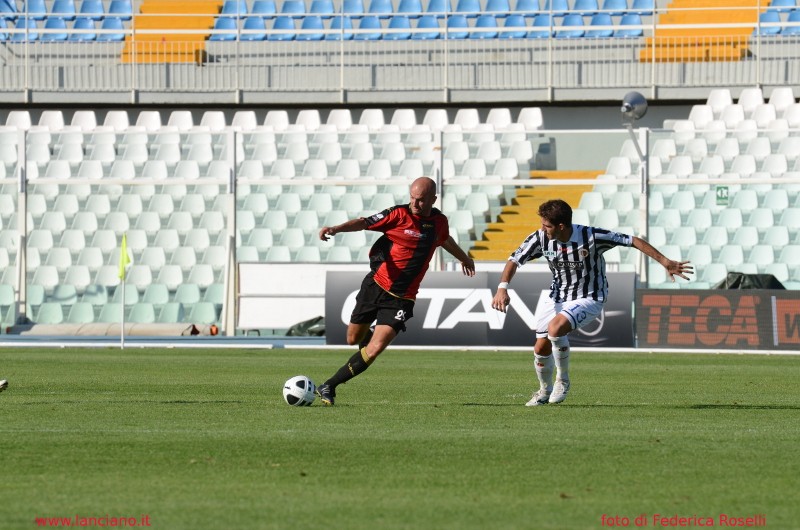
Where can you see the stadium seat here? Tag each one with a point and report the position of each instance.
(793, 18)
(499, 8)
(400, 27)
(381, 8)
(514, 27)
(644, 8)
(283, 29)
(468, 8)
(311, 29)
(342, 25)
(457, 27)
(111, 30)
(427, 22)
(55, 29)
(768, 23)
(782, 6)
(585, 8)
(600, 19)
(543, 27)
(122, 9)
(488, 25)
(439, 8)
(31, 32)
(83, 29)
(558, 8)
(266, 9)
(253, 30)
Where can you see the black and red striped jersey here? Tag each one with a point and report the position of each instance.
(578, 266)
(399, 258)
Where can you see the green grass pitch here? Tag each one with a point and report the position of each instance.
(422, 440)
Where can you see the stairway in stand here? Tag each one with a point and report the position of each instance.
(520, 218)
(703, 44)
(171, 46)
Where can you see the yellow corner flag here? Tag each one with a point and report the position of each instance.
(124, 258)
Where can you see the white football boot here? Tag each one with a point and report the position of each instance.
(539, 397)
(560, 391)
(3, 384)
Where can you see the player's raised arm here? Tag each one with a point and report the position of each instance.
(674, 268)
(467, 263)
(353, 225)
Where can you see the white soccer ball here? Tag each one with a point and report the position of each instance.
(299, 391)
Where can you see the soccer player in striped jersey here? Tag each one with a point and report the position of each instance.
(578, 292)
(398, 261)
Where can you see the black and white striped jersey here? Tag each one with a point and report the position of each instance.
(578, 266)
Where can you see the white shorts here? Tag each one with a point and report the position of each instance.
(580, 313)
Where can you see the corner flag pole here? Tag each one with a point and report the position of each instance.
(124, 262)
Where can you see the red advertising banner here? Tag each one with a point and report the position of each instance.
(718, 319)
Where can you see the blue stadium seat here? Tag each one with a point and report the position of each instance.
(36, 9)
(342, 24)
(486, 22)
(399, 22)
(92, 9)
(601, 19)
(468, 8)
(410, 8)
(427, 22)
(258, 27)
(31, 35)
(644, 8)
(234, 8)
(294, 8)
(615, 8)
(370, 22)
(498, 8)
(354, 8)
(528, 8)
(285, 24)
(264, 8)
(782, 6)
(3, 29)
(439, 7)
(311, 23)
(573, 25)
(322, 8)
(560, 8)
(8, 10)
(585, 8)
(58, 26)
(794, 17)
(630, 19)
(457, 27)
(381, 8)
(121, 9)
(545, 23)
(514, 27)
(768, 17)
(227, 24)
(64, 9)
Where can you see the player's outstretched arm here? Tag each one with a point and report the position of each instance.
(501, 299)
(674, 268)
(467, 263)
(353, 225)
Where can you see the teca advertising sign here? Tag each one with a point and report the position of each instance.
(454, 310)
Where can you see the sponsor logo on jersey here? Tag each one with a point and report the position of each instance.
(414, 233)
(550, 254)
(574, 265)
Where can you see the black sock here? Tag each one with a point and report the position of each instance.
(354, 366)
(366, 338)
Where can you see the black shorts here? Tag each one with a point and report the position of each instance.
(372, 303)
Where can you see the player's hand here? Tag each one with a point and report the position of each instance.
(679, 268)
(501, 300)
(468, 267)
(326, 232)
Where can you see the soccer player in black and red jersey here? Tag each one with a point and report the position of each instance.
(578, 292)
(398, 262)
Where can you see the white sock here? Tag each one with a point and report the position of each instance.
(544, 370)
(561, 354)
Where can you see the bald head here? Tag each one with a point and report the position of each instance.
(423, 196)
